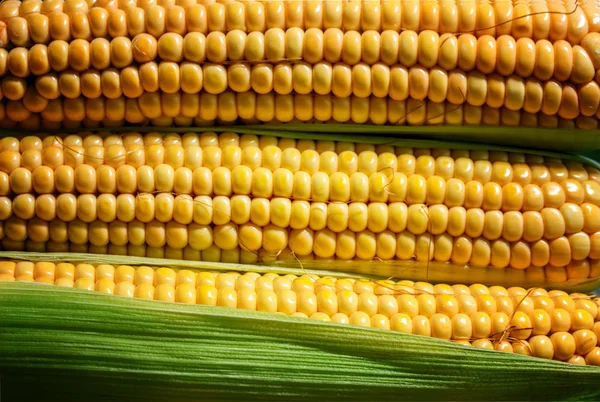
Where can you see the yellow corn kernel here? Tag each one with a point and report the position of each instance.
(105, 285)
(164, 292)
(185, 293)
(24, 271)
(144, 275)
(247, 299)
(441, 326)
(125, 288)
(84, 283)
(483, 344)
(421, 325)
(227, 297)
(44, 272)
(286, 302)
(124, 273)
(165, 276)
(360, 318)
(581, 319)
(85, 271)
(207, 295)
(7, 268)
(105, 271)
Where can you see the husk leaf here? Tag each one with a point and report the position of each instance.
(65, 344)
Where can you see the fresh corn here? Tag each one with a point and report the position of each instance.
(248, 199)
(308, 214)
(535, 322)
(74, 64)
(113, 78)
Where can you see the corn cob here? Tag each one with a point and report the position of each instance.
(535, 322)
(539, 20)
(67, 76)
(204, 109)
(244, 199)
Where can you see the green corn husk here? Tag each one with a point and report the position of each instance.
(65, 344)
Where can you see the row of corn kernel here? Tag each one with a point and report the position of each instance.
(505, 55)
(574, 199)
(26, 214)
(211, 139)
(130, 172)
(501, 167)
(464, 166)
(533, 297)
(407, 157)
(576, 270)
(86, 140)
(274, 152)
(230, 149)
(565, 255)
(394, 15)
(485, 116)
(185, 110)
(463, 181)
(531, 223)
(202, 109)
(416, 83)
(541, 59)
(340, 80)
(550, 223)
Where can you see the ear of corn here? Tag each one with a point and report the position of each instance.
(395, 63)
(248, 199)
(126, 344)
